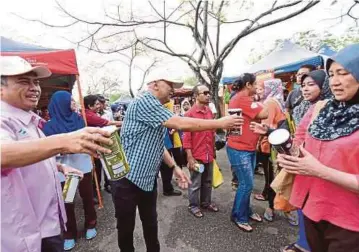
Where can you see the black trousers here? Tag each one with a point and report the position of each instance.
(52, 244)
(126, 198)
(166, 176)
(268, 192)
(323, 236)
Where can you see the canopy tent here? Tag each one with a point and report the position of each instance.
(287, 57)
(62, 64)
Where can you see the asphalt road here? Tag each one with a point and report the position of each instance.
(179, 231)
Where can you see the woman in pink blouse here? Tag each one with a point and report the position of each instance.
(326, 185)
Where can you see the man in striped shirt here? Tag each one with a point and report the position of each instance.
(142, 137)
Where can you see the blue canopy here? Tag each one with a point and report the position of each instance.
(9, 45)
(292, 67)
(326, 50)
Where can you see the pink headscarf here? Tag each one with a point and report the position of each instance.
(273, 88)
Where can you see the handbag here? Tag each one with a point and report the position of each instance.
(217, 179)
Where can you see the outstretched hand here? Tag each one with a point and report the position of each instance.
(258, 128)
(183, 179)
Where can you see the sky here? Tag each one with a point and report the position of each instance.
(91, 64)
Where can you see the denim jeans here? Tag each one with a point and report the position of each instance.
(302, 239)
(243, 164)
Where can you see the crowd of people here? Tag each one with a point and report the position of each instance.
(161, 138)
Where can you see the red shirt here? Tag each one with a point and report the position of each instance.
(94, 120)
(200, 143)
(319, 198)
(250, 109)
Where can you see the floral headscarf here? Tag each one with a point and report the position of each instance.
(274, 89)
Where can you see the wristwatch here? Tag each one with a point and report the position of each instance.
(173, 166)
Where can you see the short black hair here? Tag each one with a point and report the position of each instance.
(90, 100)
(195, 89)
(101, 98)
(308, 66)
(241, 81)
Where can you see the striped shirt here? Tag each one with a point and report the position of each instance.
(142, 137)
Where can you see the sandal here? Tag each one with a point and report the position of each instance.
(195, 211)
(256, 217)
(211, 208)
(245, 227)
(291, 248)
(291, 218)
(259, 197)
(268, 215)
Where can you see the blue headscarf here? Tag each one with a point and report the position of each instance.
(62, 118)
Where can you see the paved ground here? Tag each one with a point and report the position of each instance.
(181, 232)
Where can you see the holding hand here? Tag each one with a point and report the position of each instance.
(191, 163)
(86, 140)
(231, 121)
(306, 165)
(66, 170)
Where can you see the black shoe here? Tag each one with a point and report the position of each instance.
(173, 193)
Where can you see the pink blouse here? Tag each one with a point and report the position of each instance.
(321, 199)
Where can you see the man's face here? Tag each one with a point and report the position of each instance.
(96, 107)
(300, 73)
(186, 106)
(22, 91)
(204, 95)
(165, 91)
(102, 106)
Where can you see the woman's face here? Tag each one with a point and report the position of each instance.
(252, 88)
(73, 104)
(310, 89)
(260, 91)
(342, 83)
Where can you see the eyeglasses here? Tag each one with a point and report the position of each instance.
(206, 93)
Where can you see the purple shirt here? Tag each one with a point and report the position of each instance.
(32, 207)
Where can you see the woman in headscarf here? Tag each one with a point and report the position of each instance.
(185, 106)
(326, 186)
(63, 119)
(273, 100)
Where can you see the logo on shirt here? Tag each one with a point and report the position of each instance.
(254, 105)
(22, 133)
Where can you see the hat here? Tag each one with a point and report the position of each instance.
(348, 58)
(317, 75)
(15, 65)
(164, 75)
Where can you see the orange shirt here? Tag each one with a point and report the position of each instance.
(275, 115)
(250, 109)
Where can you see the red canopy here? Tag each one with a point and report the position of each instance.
(59, 62)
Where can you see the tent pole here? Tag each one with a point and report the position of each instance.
(94, 174)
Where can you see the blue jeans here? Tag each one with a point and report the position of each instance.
(302, 240)
(243, 164)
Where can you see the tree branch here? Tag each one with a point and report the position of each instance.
(248, 30)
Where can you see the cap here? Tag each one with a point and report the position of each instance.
(317, 75)
(164, 75)
(348, 58)
(15, 65)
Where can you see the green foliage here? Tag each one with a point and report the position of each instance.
(114, 97)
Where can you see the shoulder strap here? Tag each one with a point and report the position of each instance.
(318, 107)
